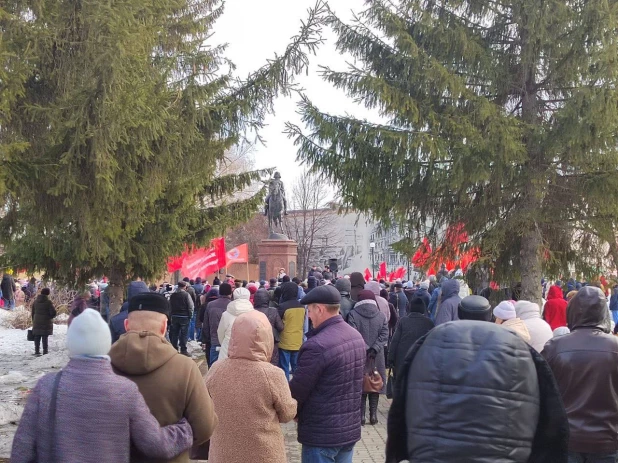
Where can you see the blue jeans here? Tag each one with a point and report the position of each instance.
(214, 355)
(593, 457)
(287, 358)
(9, 304)
(327, 454)
(192, 327)
(178, 333)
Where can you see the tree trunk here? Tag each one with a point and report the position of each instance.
(115, 291)
(613, 251)
(531, 271)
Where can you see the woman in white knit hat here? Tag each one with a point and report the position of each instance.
(88, 414)
(506, 317)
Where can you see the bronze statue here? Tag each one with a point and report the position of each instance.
(275, 203)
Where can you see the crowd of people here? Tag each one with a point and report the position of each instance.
(516, 382)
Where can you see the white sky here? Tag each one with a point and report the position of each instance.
(257, 29)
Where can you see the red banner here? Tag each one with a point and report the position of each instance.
(204, 261)
(367, 275)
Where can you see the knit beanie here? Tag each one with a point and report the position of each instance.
(424, 284)
(241, 293)
(88, 335)
(505, 310)
(366, 294)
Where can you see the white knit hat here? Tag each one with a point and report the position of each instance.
(241, 293)
(424, 284)
(89, 335)
(505, 310)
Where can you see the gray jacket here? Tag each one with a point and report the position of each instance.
(449, 302)
(367, 319)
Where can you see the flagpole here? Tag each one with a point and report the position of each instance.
(247, 269)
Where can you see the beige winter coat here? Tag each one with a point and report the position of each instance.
(519, 327)
(251, 397)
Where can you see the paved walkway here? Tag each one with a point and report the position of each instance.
(369, 450)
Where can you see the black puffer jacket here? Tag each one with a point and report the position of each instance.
(584, 364)
(477, 390)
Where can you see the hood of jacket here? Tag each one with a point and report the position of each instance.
(588, 309)
(252, 338)
(519, 327)
(289, 292)
(367, 308)
(374, 287)
(261, 299)
(357, 280)
(450, 288)
(343, 285)
(527, 310)
(554, 292)
(140, 352)
(239, 306)
(135, 288)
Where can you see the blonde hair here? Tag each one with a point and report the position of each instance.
(144, 320)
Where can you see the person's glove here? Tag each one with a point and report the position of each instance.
(372, 353)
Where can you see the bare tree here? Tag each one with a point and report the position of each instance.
(311, 222)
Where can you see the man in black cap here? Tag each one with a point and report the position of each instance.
(328, 381)
(171, 383)
(474, 308)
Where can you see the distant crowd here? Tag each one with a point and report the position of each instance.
(514, 381)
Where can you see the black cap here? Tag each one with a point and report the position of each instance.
(474, 308)
(151, 302)
(398, 285)
(326, 294)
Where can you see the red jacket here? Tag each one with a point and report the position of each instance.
(555, 308)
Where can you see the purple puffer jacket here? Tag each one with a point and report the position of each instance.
(328, 384)
(98, 415)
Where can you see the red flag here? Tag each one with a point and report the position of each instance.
(382, 273)
(205, 261)
(367, 275)
(175, 263)
(400, 273)
(391, 277)
(239, 254)
(423, 254)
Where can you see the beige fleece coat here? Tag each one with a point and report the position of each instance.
(518, 326)
(251, 397)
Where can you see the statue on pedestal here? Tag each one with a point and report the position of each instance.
(276, 203)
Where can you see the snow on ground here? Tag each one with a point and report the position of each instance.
(20, 370)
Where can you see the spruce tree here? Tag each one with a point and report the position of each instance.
(501, 115)
(114, 117)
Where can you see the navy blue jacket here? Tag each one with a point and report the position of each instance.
(328, 384)
(116, 324)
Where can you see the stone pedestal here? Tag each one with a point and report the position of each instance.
(275, 254)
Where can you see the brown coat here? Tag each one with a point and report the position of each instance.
(251, 397)
(171, 384)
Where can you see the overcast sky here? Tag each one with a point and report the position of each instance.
(255, 31)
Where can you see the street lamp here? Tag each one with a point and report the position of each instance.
(372, 246)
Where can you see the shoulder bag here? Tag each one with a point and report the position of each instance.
(52, 418)
(372, 381)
